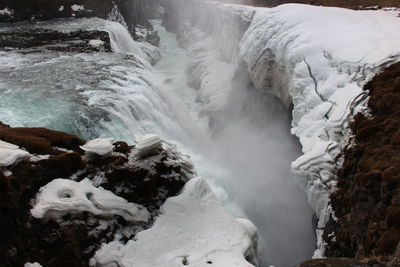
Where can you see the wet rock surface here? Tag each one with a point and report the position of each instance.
(134, 12)
(367, 202)
(40, 40)
(335, 262)
(72, 240)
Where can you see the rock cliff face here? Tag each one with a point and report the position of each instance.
(368, 196)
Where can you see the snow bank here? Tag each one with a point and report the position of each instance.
(35, 264)
(99, 146)
(62, 196)
(194, 229)
(320, 63)
(10, 154)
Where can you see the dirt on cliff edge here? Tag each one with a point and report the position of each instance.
(367, 202)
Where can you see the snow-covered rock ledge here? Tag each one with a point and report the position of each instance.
(63, 199)
(319, 63)
(193, 229)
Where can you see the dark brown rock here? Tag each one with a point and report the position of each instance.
(335, 262)
(40, 140)
(39, 40)
(354, 4)
(368, 196)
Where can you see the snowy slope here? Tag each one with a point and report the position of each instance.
(194, 230)
(319, 58)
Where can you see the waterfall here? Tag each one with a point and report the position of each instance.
(121, 95)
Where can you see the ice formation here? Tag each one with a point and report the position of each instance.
(10, 154)
(194, 229)
(147, 143)
(320, 64)
(99, 146)
(63, 196)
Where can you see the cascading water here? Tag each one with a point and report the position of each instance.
(120, 95)
(253, 145)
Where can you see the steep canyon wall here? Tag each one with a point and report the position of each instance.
(323, 83)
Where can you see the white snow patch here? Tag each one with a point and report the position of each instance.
(193, 230)
(7, 173)
(76, 8)
(99, 146)
(6, 11)
(35, 158)
(147, 143)
(61, 8)
(10, 154)
(96, 42)
(35, 264)
(63, 196)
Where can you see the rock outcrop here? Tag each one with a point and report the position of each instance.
(367, 201)
(70, 237)
(33, 40)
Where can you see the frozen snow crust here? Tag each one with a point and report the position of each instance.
(193, 229)
(62, 196)
(315, 58)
